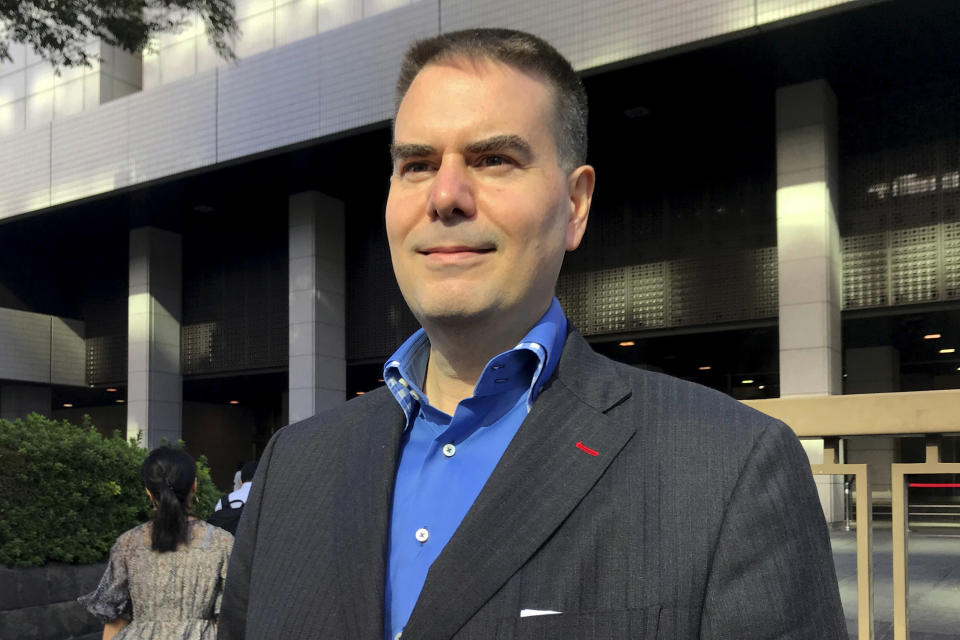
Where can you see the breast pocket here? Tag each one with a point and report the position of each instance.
(638, 624)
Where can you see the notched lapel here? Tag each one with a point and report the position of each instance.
(541, 478)
(367, 470)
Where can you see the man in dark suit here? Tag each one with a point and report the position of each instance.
(508, 482)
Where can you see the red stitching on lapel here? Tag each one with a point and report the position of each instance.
(587, 449)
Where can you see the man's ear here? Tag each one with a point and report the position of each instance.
(580, 186)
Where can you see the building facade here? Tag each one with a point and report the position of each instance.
(195, 249)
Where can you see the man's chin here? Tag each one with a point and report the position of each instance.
(452, 313)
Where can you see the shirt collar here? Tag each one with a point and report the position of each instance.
(405, 370)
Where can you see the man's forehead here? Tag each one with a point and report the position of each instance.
(483, 79)
(499, 117)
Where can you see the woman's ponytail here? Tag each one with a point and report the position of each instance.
(169, 474)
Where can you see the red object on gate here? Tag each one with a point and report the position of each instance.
(936, 485)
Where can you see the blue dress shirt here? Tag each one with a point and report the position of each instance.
(445, 460)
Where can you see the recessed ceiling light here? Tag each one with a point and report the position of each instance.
(762, 386)
(747, 381)
(67, 405)
(360, 393)
(120, 400)
(627, 343)
(950, 350)
(234, 402)
(380, 380)
(931, 336)
(111, 389)
(705, 367)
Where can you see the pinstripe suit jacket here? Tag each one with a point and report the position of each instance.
(697, 518)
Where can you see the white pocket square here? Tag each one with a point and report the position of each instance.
(529, 613)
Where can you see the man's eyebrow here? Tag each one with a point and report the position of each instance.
(507, 142)
(402, 151)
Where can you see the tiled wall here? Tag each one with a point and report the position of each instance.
(41, 348)
(643, 26)
(340, 79)
(32, 94)
(264, 25)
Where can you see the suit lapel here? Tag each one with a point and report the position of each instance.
(541, 478)
(368, 470)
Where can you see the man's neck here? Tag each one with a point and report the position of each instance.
(448, 382)
(458, 356)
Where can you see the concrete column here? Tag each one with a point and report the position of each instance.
(808, 240)
(16, 401)
(154, 383)
(809, 259)
(317, 304)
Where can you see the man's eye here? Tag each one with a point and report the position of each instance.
(414, 167)
(493, 161)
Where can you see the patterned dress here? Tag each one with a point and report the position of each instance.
(167, 596)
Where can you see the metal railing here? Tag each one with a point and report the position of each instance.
(930, 414)
(864, 520)
(899, 473)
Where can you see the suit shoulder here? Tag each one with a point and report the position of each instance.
(676, 401)
(705, 428)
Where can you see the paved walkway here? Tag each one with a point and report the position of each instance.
(934, 568)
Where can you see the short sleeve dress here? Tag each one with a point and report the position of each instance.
(173, 595)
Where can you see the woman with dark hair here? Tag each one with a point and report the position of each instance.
(165, 577)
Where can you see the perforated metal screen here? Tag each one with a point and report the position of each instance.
(235, 299)
(378, 319)
(900, 197)
(725, 287)
(106, 339)
(106, 359)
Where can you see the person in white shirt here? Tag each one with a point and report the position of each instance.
(236, 477)
(246, 479)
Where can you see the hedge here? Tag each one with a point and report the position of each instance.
(66, 492)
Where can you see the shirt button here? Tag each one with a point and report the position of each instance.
(422, 535)
(449, 450)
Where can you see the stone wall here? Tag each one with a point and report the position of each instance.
(40, 603)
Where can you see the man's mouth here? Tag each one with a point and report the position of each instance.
(452, 250)
(454, 256)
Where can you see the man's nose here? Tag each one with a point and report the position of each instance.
(451, 194)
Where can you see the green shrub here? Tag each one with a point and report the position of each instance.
(207, 491)
(66, 492)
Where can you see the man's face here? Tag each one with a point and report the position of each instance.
(480, 213)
